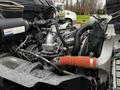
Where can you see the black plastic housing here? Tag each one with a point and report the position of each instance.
(113, 6)
(12, 29)
(10, 9)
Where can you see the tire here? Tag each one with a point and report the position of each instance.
(44, 2)
(69, 21)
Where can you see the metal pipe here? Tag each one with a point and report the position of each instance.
(51, 36)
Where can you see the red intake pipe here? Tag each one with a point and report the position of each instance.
(78, 61)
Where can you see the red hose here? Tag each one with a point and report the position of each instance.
(78, 61)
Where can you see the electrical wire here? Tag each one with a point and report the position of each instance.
(45, 12)
(47, 3)
(48, 9)
(47, 61)
(23, 55)
(115, 14)
(62, 40)
(115, 17)
(21, 45)
(41, 2)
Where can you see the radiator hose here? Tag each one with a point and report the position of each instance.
(102, 62)
(78, 61)
(79, 32)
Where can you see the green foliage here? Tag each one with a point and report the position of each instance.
(81, 19)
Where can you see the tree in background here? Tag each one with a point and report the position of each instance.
(93, 6)
(69, 5)
(88, 7)
(83, 7)
(66, 4)
(77, 7)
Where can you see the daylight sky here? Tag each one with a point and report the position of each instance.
(102, 2)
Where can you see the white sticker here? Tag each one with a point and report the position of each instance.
(15, 30)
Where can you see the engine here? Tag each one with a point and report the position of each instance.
(39, 54)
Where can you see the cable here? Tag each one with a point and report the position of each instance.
(116, 17)
(47, 61)
(23, 55)
(62, 40)
(21, 45)
(117, 12)
(45, 11)
(51, 7)
(41, 2)
(47, 3)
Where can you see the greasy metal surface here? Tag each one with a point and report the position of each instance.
(25, 74)
(117, 74)
(50, 44)
(117, 42)
(118, 62)
(116, 65)
(118, 83)
(114, 73)
(104, 61)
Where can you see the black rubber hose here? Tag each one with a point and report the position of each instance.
(62, 40)
(47, 61)
(79, 32)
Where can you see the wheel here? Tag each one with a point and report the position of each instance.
(69, 21)
(45, 2)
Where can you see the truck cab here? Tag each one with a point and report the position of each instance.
(66, 15)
